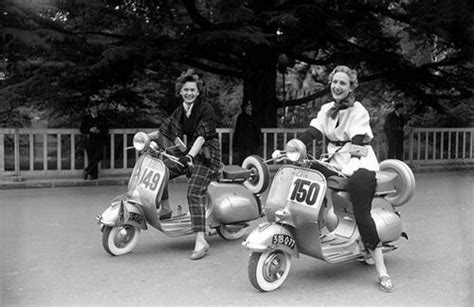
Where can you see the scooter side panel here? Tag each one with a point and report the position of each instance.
(271, 236)
(232, 203)
(387, 221)
(121, 213)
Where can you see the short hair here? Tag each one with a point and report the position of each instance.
(352, 73)
(188, 76)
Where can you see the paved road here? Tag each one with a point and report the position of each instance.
(51, 254)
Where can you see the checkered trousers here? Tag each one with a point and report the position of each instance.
(200, 178)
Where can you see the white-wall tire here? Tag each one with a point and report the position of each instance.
(404, 183)
(260, 179)
(231, 232)
(120, 240)
(268, 271)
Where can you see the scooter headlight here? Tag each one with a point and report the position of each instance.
(295, 150)
(141, 140)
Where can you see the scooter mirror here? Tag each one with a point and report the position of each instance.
(180, 144)
(141, 140)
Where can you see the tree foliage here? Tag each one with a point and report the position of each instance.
(57, 54)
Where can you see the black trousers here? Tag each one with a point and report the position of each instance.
(361, 188)
(395, 146)
(95, 152)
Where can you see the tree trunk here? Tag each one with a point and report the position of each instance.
(259, 85)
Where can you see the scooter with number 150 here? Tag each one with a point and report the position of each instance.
(309, 214)
(233, 199)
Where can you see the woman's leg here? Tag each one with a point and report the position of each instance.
(200, 179)
(164, 203)
(362, 188)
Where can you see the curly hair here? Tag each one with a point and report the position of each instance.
(352, 73)
(188, 76)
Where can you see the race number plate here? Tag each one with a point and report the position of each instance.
(150, 175)
(284, 240)
(304, 191)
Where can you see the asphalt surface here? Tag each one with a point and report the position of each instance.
(51, 255)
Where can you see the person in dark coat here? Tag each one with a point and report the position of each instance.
(394, 131)
(195, 119)
(247, 134)
(95, 129)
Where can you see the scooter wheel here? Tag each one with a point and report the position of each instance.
(268, 271)
(120, 240)
(260, 178)
(231, 232)
(404, 184)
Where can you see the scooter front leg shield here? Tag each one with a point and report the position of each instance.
(121, 214)
(272, 236)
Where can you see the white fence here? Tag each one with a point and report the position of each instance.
(53, 152)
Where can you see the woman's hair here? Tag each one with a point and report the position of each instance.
(352, 73)
(188, 76)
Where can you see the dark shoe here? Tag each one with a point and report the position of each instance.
(385, 283)
(198, 254)
(85, 174)
(93, 178)
(166, 216)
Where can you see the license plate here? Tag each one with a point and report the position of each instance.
(284, 240)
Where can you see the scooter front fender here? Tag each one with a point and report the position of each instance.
(272, 236)
(122, 212)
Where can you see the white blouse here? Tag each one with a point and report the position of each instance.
(350, 122)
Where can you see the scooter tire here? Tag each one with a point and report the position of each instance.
(405, 183)
(260, 179)
(112, 243)
(231, 233)
(268, 271)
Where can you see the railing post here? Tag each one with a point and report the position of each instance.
(2, 152)
(58, 152)
(73, 151)
(17, 152)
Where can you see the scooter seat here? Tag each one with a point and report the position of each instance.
(235, 172)
(385, 182)
(337, 183)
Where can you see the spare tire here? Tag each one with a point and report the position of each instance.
(404, 182)
(260, 178)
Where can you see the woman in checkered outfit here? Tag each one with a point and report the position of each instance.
(196, 120)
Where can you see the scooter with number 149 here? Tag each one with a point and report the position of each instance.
(233, 199)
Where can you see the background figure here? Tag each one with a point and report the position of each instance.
(393, 128)
(95, 129)
(247, 134)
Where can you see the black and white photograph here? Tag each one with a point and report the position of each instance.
(236, 153)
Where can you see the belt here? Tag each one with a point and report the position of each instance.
(338, 143)
(342, 143)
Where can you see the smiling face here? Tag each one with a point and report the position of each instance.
(340, 86)
(189, 92)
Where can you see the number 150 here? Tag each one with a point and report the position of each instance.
(305, 191)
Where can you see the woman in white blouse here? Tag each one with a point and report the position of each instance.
(343, 122)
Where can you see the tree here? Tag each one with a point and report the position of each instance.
(61, 54)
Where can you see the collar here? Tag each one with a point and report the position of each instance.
(188, 109)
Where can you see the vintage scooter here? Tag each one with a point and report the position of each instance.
(233, 199)
(309, 214)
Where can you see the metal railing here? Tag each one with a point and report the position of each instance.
(53, 152)
(440, 145)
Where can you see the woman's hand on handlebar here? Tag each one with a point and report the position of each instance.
(186, 160)
(278, 155)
